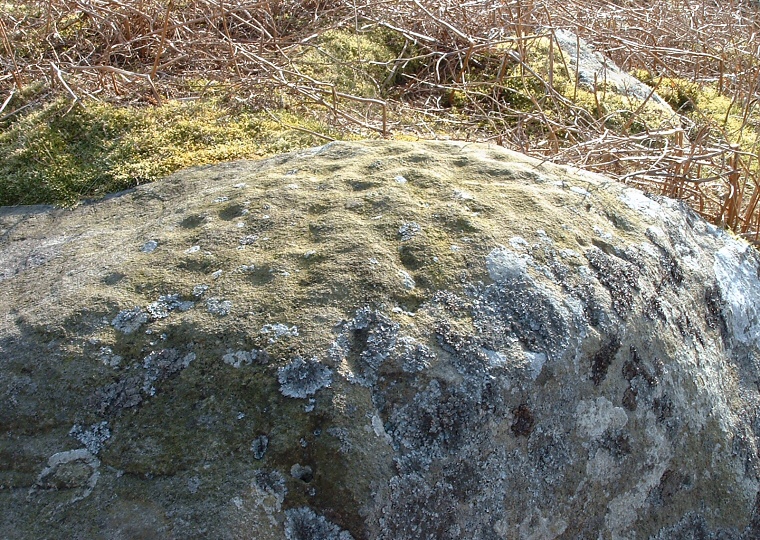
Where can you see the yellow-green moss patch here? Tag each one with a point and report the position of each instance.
(60, 152)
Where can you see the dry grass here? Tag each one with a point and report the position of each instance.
(474, 69)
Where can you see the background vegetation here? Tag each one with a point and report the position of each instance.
(101, 95)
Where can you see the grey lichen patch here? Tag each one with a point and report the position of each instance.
(694, 525)
(125, 393)
(239, 359)
(129, 320)
(160, 365)
(618, 276)
(200, 290)
(519, 306)
(304, 524)
(94, 437)
(74, 470)
(107, 356)
(506, 265)
(436, 425)
(278, 331)
(270, 484)
(363, 344)
(302, 378)
(409, 230)
(596, 417)
(130, 390)
(407, 280)
(218, 306)
(248, 240)
(161, 308)
(416, 508)
(259, 446)
(469, 354)
(413, 356)
(343, 437)
(149, 246)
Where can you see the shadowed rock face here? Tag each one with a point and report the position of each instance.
(378, 341)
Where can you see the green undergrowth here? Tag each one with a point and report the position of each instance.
(728, 120)
(59, 153)
(357, 63)
(56, 152)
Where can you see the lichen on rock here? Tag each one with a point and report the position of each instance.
(574, 359)
(363, 344)
(166, 303)
(278, 330)
(259, 446)
(239, 359)
(302, 378)
(74, 471)
(93, 437)
(129, 320)
(304, 524)
(218, 306)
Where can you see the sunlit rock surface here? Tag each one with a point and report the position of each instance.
(378, 340)
(596, 72)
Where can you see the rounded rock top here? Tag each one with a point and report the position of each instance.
(492, 348)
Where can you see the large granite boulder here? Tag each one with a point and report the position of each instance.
(378, 340)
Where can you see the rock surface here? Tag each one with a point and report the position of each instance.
(597, 72)
(378, 340)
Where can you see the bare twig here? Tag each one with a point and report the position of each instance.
(297, 128)
(163, 40)
(9, 52)
(59, 76)
(7, 100)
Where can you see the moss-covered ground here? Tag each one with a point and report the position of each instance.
(59, 152)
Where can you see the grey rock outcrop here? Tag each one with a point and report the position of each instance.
(596, 71)
(309, 349)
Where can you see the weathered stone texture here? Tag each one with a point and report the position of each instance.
(309, 348)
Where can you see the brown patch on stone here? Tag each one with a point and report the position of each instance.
(524, 421)
(601, 361)
(629, 399)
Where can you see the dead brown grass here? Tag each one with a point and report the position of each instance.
(144, 52)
